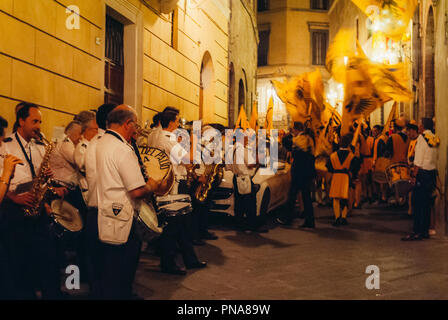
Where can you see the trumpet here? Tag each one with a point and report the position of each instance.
(143, 131)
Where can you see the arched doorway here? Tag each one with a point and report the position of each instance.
(241, 94)
(207, 90)
(231, 96)
(429, 91)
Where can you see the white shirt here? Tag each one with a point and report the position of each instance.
(91, 169)
(168, 143)
(118, 174)
(425, 156)
(2, 160)
(153, 136)
(62, 162)
(34, 150)
(80, 154)
(242, 158)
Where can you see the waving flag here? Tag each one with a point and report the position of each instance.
(390, 17)
(242, 122)
(254, 117)
(270, 115)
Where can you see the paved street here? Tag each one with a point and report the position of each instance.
(327, 263)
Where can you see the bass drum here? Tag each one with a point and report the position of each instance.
(148, 226)
(66, 219)
(158, 165)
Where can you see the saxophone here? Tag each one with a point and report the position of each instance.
(41, 183)
(214, 177)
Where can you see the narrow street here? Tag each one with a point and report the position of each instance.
(325, 263)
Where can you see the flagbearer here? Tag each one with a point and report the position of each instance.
(344, 166)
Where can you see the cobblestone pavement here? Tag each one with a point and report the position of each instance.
(326, 263)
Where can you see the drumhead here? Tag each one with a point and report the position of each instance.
(156, 162)
(176, 209)
(171, 198)
(66, 215)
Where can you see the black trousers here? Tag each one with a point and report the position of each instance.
(422, 200)
(245, 204)
(174, 235)
(7, 291)
(93, 253)
(32, 252)
(118, 267)
(305, 188)
(198, 219)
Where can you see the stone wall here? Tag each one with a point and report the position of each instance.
(243, 42)
(62, 70)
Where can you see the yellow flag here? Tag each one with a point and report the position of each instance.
(254, 116)
(242, 122)
(390, 17)
(269, 115)
(303, 97)
(392, 116)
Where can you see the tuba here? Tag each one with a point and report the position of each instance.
(41, 183)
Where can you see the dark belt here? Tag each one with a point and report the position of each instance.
(427, 171)
(341, 171)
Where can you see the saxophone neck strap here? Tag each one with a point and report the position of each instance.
(28, 159)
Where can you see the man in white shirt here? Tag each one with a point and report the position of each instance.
(32, 248)
(89, 131)
(92, 243)
(176, 232)
(120, 187)
(62, 160)
(244, 169)
(425, 163)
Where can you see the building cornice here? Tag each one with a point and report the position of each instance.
(276, 10)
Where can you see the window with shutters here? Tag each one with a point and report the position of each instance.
(319, 46)
(263, 5)
(114, 62)
(263, 47)
(320, 4)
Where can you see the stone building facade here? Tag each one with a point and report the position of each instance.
(171, 53)
(293, 40)
(243, 42)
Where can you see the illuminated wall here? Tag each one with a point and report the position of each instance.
(62, 70)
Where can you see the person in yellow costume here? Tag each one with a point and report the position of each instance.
(345, 167)
(379, 162)
(367, 164)
(397, 149)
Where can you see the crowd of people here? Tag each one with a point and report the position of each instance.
(98, 170)
(368, 165)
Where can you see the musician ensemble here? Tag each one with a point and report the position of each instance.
(109, 186)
